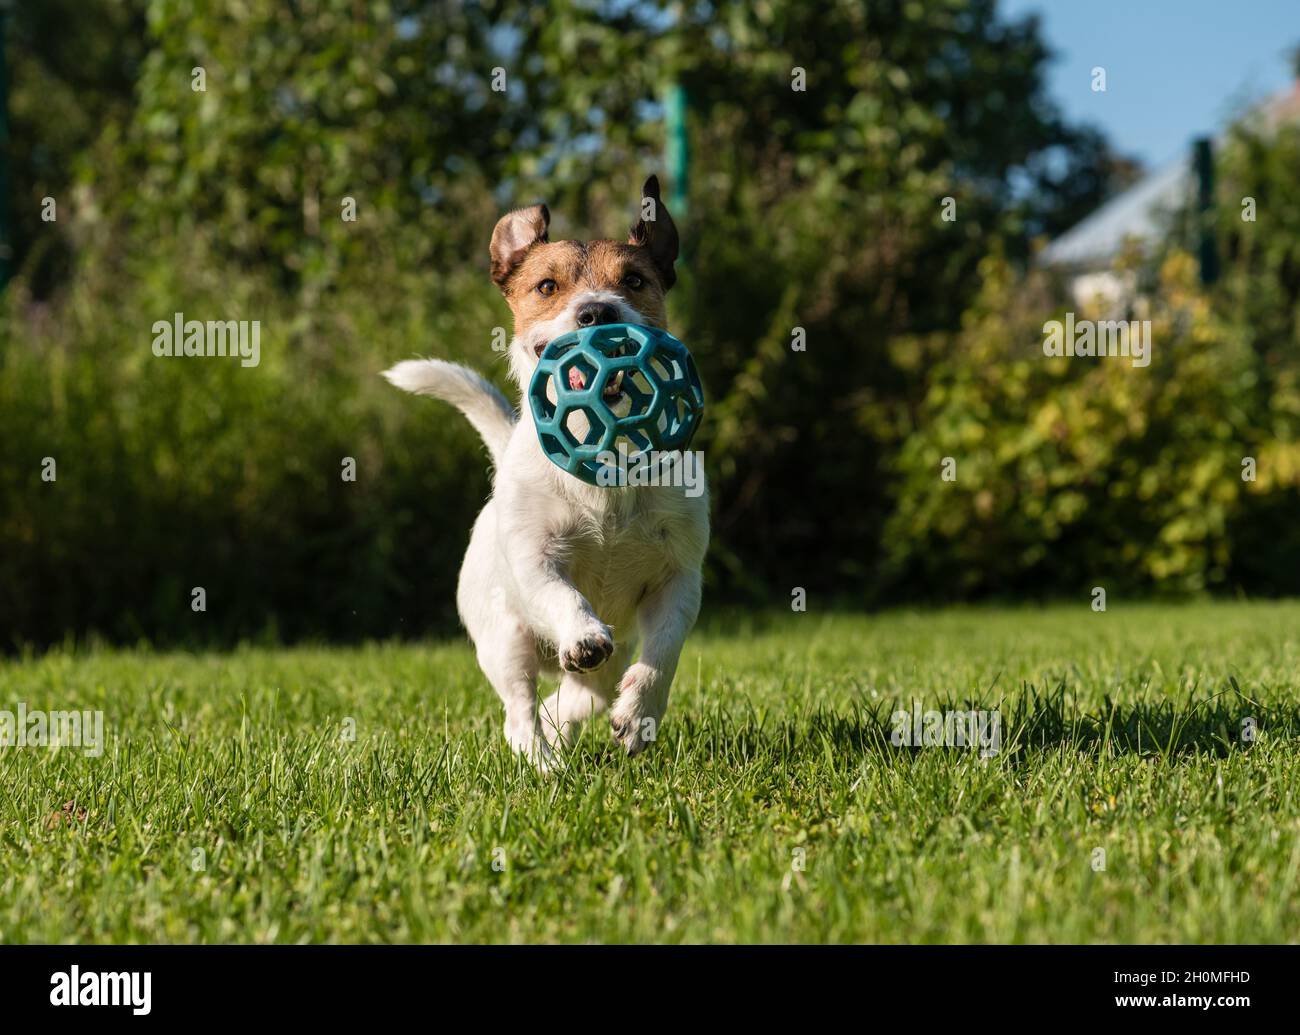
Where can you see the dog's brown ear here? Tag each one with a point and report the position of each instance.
(656, 232)
(515, 233)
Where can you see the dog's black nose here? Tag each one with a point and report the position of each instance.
(593, 313)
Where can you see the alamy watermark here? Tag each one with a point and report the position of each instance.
(73, 987)
(682, 469)
(1101, 339)
(25, 727)
(965, 729)
(235, 338)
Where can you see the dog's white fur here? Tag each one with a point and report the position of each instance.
(561, 572)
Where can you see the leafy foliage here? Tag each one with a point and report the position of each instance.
(1074, 472)
(817, 210)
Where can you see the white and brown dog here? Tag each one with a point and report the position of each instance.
(559, 572)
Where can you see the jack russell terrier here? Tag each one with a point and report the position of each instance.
(559, 573)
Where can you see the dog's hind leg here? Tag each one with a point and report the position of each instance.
(506, 648)
(507, 654)
(579, 696)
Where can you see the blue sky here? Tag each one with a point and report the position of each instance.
(1175, 69)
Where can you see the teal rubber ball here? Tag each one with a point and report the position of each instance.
(616, 390)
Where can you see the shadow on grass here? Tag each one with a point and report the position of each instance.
(1217, 726)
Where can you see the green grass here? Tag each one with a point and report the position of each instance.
(1121, 731)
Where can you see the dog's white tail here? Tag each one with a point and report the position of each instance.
(482, 404)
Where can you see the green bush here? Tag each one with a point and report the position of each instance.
(174, 473)
(1074, 472)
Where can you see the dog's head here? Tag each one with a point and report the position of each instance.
(556, 287)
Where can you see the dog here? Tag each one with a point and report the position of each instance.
(561, 576)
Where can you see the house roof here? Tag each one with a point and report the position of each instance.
(1141, 212)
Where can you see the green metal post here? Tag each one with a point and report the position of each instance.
(6, 245)
(677, 153)
(1206, 249)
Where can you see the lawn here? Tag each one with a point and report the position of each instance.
(229, 803)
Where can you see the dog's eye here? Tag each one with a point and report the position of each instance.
(634, 281)
(546, 287)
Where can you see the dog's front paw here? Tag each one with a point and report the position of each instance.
(633, 734)
(634, 719)
(589, 651)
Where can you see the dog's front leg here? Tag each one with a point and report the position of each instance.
(665, 617)
(555, 606)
